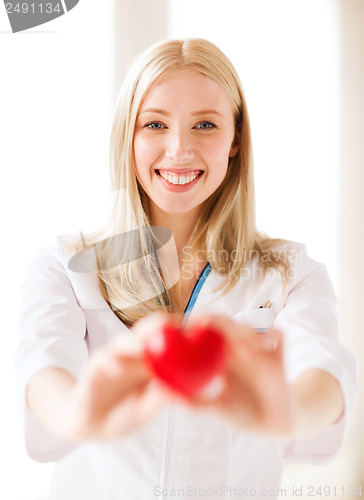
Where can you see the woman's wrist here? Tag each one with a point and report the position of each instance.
(48, 396)
(316, 401)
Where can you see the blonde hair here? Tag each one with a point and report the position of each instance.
(227, 220)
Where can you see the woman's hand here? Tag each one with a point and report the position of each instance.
(252, 392)
(114, 394)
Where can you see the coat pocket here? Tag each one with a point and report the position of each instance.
(260, 319)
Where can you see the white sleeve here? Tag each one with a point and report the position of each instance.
(309, 322)
(52, 330)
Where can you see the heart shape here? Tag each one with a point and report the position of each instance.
(186, 359)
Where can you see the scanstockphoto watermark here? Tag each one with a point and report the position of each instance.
(293, 491)
(219, 491)
(28, 14)
(253, 273)
(259, 266)
(130, 246)
(288, 255)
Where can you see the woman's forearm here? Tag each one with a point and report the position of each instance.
(48, 397)
(112, 396)
(317, 401)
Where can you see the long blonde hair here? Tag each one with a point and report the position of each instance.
(227, 222)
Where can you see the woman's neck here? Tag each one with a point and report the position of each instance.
(181, 225)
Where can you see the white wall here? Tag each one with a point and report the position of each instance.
(139, 24)
(56, 91)
(352, 204)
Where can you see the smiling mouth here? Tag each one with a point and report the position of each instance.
(182, 178)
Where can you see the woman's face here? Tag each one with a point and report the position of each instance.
(183, 139)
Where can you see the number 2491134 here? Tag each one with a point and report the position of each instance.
(33, 8)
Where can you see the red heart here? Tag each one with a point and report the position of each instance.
(187, 360)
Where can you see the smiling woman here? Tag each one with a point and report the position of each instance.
(181, 159)
(182, 113)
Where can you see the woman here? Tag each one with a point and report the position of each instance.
(181, 239)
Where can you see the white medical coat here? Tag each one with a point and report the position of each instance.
(180, 453)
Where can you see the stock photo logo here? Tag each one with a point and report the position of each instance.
(26, 15)
(128, 247)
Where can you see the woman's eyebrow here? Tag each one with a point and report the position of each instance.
(155, 110)
(206, 112)
(194, 113)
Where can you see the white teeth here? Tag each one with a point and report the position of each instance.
(174, 179)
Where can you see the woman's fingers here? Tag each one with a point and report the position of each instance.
(244, 342)
(253, 375)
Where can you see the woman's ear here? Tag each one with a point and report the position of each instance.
(235, 146)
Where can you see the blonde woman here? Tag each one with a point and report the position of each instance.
(181, 239)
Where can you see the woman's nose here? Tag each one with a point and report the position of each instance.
(179, 147)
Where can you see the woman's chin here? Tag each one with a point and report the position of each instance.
(180, 211)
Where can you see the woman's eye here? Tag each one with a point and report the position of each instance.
(154, 125)
(205, 125)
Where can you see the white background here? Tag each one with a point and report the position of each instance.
(56, 102)
(56, 98)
